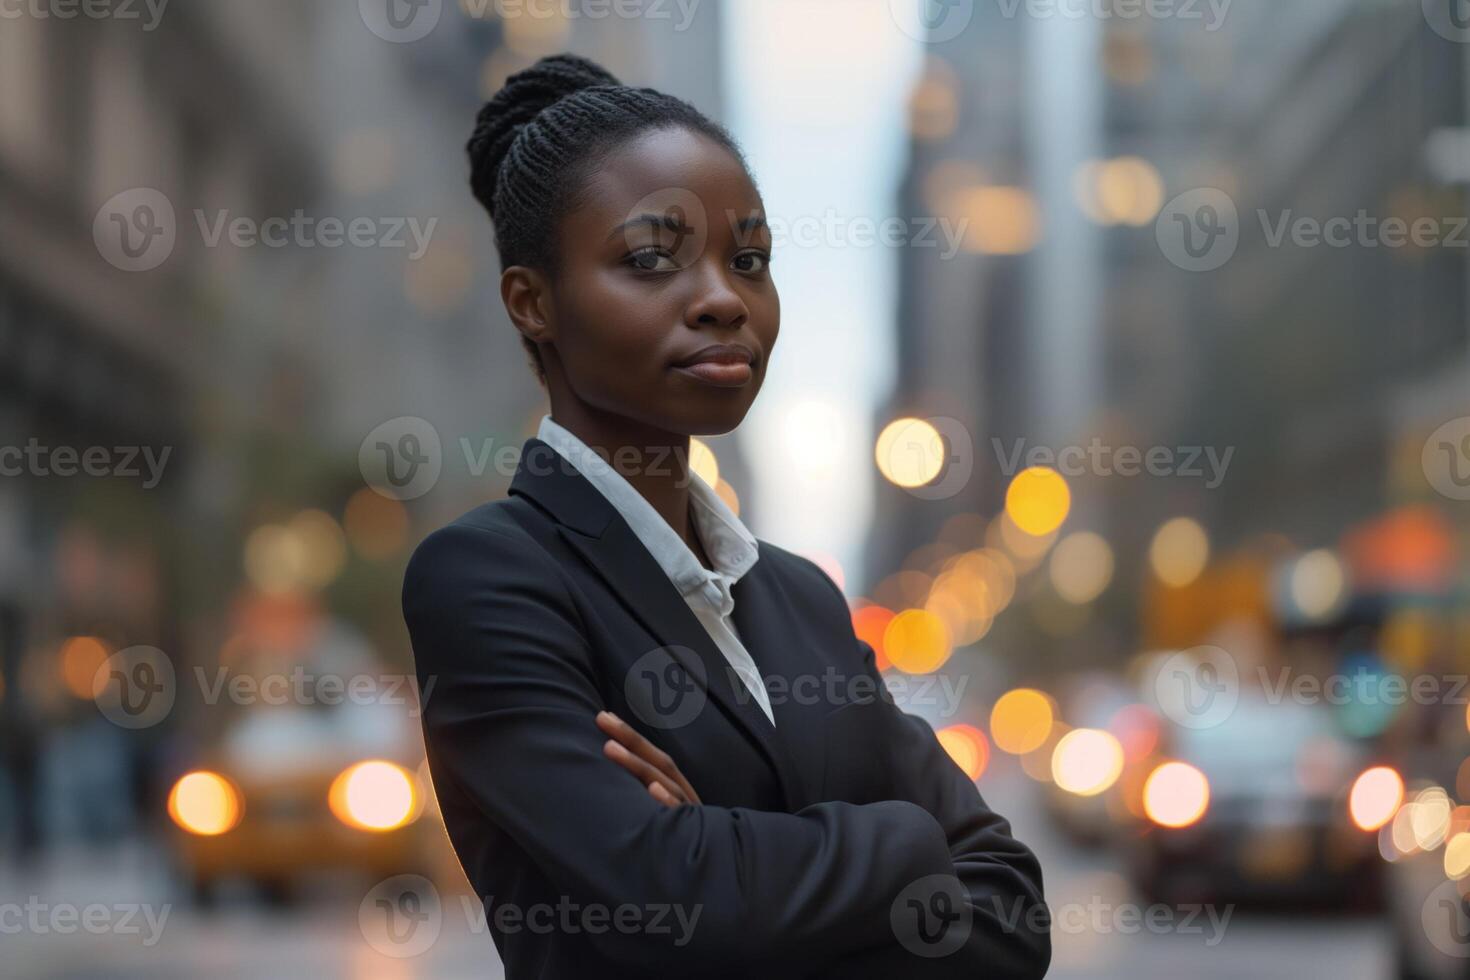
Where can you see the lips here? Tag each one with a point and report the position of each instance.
(720, 354)
(722, 365)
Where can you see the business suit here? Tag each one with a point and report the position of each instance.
(530, 614)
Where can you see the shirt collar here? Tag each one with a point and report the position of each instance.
(730, 545)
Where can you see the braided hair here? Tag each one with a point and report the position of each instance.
(537, 140)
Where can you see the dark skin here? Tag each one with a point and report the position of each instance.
(665, 253)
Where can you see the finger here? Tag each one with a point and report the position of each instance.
(662, 794)
(640, 746)
(629, 737)
(643, 771)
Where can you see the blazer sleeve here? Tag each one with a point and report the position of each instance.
(503, 657)
(1008, 932)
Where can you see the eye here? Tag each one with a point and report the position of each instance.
(752, 262)
(651, 258)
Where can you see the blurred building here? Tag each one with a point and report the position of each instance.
(1066, 321)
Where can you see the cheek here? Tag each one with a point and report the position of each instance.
(615, 331)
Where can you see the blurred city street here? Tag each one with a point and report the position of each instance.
(322, 940)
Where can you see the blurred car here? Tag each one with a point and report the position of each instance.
(1098, 702)
(1427, 911)
(1254, 809)
(298, 787)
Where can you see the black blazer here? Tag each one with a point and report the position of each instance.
(844, 841)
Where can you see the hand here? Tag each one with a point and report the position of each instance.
(651, 765)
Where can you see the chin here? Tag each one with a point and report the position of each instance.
(709, 420)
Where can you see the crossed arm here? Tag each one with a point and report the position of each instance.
(513, 723)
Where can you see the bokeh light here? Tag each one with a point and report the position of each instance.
(374, 795)
(1086, 761)
(967, 746)
(1021, 720)
(81, 658)
(1375, 797)
(1081, 567)
(1179, 552)
(205, 803)
(1318, 583)
(703, 462)
(917, 641)
(909, 452)
(1038, 500)
(1176, 795)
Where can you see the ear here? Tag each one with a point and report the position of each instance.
(526, 294)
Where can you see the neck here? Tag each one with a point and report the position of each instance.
(654, 462)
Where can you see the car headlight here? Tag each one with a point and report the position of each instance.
(375, 795)
(205, 803)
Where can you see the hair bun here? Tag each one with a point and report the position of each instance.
(523, 96)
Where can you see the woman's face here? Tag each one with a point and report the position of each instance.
(666, 253)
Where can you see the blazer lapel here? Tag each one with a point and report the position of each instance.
(763, 616)
(595, 529)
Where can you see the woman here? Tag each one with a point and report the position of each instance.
(658, 745)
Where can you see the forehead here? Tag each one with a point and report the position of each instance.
(645, 169)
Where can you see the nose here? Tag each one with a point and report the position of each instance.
(716, 303)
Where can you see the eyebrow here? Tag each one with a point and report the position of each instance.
(662, 221)
(655, 221)
(752, 222)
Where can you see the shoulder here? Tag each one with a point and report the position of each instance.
(801, 575)
(492, 542)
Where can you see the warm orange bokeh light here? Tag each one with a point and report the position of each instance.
(81, 658)
(204, 803)
(917, 641)
(1038, 501)
(374, 795)
(1176, 795)
(376, 525)
(1087, 761)
(1375, 797)
(870, 623)
(1021, 721)
(967, 746)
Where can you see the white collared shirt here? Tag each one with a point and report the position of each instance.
(729, 544)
